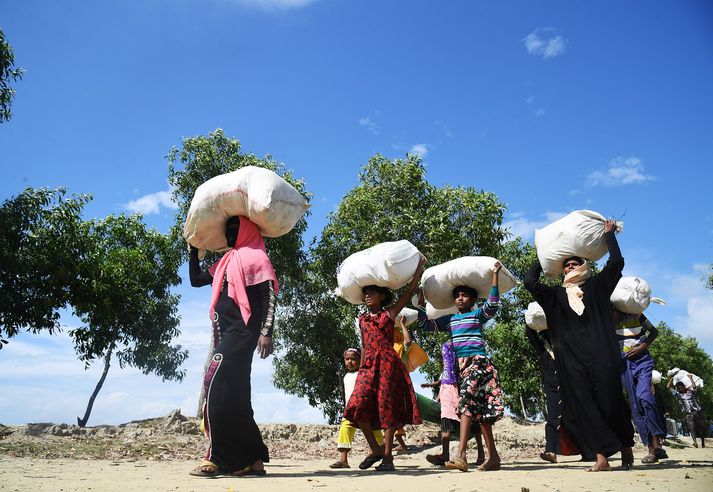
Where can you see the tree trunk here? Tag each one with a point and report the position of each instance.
(107, 362)
(524, 411)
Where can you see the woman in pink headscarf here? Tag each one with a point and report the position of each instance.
(242, 310)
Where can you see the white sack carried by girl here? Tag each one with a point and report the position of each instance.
(408, 315)
(632, 295)
(535, 317)
(655, 377)
(681, 376)
(475, 272)
(259, 194)
(389, 265)
(433, 313)
(580, 233)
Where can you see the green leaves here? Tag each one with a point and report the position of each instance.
(8, 72)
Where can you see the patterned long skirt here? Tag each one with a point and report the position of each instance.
(481, 397)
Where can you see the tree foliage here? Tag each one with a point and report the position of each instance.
(392, 201)
(8, 73)
(203, 157)
(669, 350)
(39, 234)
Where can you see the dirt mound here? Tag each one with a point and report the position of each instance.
(177, 437)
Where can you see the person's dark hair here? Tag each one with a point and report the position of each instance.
(466, 290)
(579, 260)
(388, 295)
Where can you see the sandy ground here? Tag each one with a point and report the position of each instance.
(688, 469)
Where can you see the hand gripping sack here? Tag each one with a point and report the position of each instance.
(535, 317)
(389, 265)
(632, 295)
(409, 316)
(439, 281)
(254, 192)
(580, 233)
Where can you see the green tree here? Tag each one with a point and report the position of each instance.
(392, 201)
(203, 157)
(38, 244)
(8, 73)
(674, 350)
(122, 296)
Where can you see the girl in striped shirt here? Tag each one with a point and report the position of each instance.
(480, 395)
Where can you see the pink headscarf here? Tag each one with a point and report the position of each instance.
(246, 264)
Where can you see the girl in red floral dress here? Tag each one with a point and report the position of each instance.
(383, 396)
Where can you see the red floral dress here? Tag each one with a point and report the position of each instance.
(383, 394)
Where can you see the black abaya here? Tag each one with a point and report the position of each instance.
(587, 355)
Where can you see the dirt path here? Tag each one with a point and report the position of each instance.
(688, 469)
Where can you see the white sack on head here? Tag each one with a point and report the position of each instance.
(682, 377)
(475, 272)
(433, 313)
(259, 194)
(631, 295)
(409, 316)
(535, 317)
(389, 265)
(655, 377)
(580, 233)
(672, 372)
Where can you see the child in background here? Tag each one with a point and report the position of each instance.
(352, 359)
(448, 397)
(692, 411)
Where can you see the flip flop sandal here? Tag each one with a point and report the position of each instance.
(247, 471)
(368, 462)
(339, 464)
(457, 464)
(485, 467)
(649, 458)
(660, 453)
(205, 471)
(385, 467)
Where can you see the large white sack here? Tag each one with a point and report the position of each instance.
(433, 313)
(682, 377)
(254, 192)
(632, 295)
(389, 265)
(535, 317)
(409, 316)
(655, 376)
(476, 272)
(580, 233)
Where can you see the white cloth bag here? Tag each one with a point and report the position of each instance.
(580, 233)
(390, 265)
(259, 194)
(535, 317)
(632, 295)
(439, 281)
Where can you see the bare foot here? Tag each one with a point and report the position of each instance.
(551, 457)
(600, 466)
(491, 464)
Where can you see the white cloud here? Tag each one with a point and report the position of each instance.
(539, 112)
(152, 203)
(520, 225)
(542, 42)
(621, 171)
(420, 149)
(446, 129)
(369, 124)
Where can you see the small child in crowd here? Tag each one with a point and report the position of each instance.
(352, 359)
(448, 397)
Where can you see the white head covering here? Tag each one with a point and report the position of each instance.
(571, 283)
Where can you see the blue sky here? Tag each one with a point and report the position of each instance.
(554, 106)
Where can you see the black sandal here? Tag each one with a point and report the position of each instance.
(385, 467)
(369, 461)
